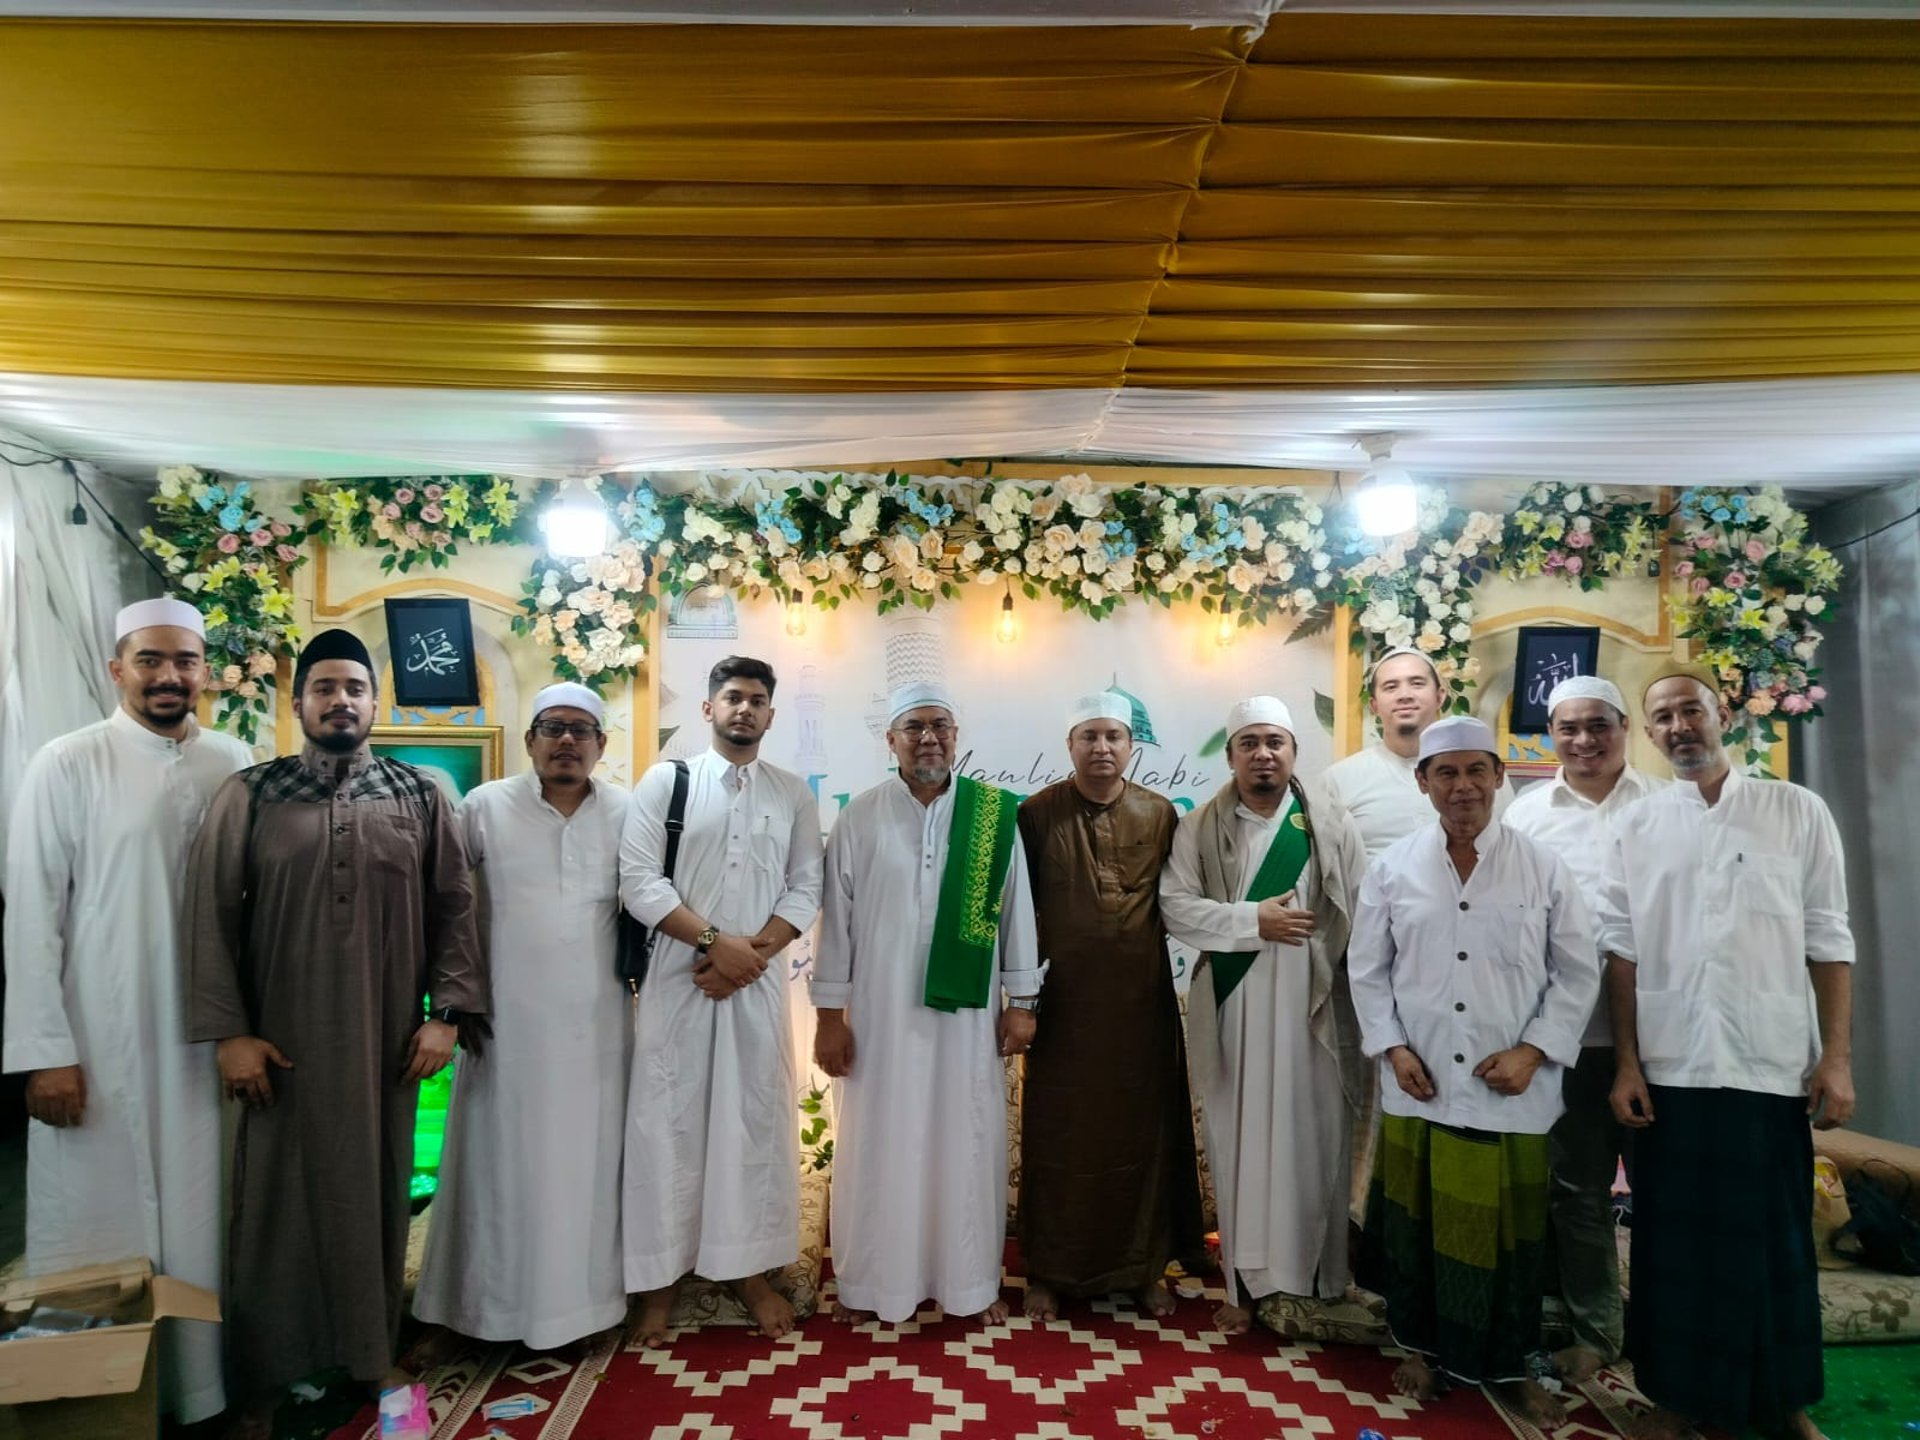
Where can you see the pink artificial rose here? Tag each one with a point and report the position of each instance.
(1575, 565)
(1796, 704)
(1699, 585)
(1683, 569)
(262, 537)
(442, 539)
(1760, 705)
(1580, 539)
(227, 543)
(1816, 693)
(287, 554)
(403, 495)
(435, 492)
(1555, 559)
(432, 514)
(392, 512)
(1736, 579)
(414, 530)
(1756, 551)
(280, 529)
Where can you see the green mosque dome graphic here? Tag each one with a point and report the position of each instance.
(1142, 722)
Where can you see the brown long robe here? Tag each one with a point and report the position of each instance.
(321, 909)
(1109, 1186)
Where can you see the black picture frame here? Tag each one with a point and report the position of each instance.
(1544, 656)
(430, 641)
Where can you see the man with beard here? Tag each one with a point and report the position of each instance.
(927, 919)
(1474, 971)
(1265, 886)
(1724, 917)
(713, 1151)
(1109, 1190)
(525, 1236)
(123, 1155)
(328, 898)
(1573, 816)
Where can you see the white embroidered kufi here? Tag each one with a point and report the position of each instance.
(575, 697)
(143, 614)
(1259, 710)
(1395, 653)
(1586, 687)
(1457, 732)
(1101, 705)
(917, 695)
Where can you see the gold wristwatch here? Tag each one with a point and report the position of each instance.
(705, 939)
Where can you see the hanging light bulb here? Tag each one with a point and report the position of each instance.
(575, 525)
(1008, 629)
(1386, 502)
(1225, 633)
(796, 618)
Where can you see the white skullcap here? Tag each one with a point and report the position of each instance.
(1395, 654)
(1457, 732)
(1101, 705)
(1586, 687)
(164, 611)
(1259, 710)
(916, 695)
(576, 697)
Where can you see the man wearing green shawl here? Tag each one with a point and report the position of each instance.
(1262, 880)
(926, 920)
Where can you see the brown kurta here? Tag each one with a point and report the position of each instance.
(1109, 1188)
(320, 912)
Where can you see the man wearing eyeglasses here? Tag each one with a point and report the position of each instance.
(524, 1240)
(712, 1183)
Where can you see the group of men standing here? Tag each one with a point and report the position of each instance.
(319, 931)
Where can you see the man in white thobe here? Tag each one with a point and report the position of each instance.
(524, 1235)
(1265, 885)
(908, 979)
(123, 1155)
(1573, 816)
(1474, 971)
(712, 1181)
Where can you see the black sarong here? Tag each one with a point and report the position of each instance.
(1723, 1326)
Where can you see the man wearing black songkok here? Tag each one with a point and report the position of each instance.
(328, 897)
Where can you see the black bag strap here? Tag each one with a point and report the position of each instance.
(676, 818)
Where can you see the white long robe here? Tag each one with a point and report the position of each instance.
(1276, 1121)
(95, 869)
(713, 1126)
(523, 1240)
(920, 1125)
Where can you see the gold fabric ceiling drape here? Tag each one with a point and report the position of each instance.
(1345, 200)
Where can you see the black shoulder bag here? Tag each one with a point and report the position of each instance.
(633, 948)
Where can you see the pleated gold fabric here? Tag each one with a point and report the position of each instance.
(1342, 200)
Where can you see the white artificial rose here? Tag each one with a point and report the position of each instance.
(872, 561)
(1815, 604)
(1460, 634)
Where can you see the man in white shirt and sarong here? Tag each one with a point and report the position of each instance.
(1724, 918)
(1265, 884)
(1474, 971)
(927, 920)
(123, 1152)
(523, 1239)
(1573, 816)
(712, 1181)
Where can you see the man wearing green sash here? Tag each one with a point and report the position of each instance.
(1263, 881)
(926, 920)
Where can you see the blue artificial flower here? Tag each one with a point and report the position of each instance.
(232, 517)
(1723, 514)
(1114, 527)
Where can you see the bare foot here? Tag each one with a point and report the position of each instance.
(994, 1314)
(1577, 1363)
(1413, 1377)
(656, 1309)
(1798, 1426)
(1156, 1299)
(842, 1315)
(1041, 1303)
(1533, 1402)
(1232, 1320)
(1660, 1423)
(771, 1311)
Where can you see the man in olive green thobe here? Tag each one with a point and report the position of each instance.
(328, 896)
(1109, 1187)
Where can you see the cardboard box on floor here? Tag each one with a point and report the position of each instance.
(93, 1384)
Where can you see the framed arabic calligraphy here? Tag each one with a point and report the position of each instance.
(431, 642)
(1543, 657)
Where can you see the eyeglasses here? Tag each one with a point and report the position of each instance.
(576, 729)
(915, 729)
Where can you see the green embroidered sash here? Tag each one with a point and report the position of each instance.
(1286, 857)
(966, 925)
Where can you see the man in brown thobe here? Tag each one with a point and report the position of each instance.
(328, 896)
(1109, 1188)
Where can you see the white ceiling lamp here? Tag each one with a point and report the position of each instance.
(575, 525)
(1386, 502)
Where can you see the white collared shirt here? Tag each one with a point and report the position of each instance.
(1721, 907)
(1460, 971)
(1580, 832)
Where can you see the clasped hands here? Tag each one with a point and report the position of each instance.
(1506, 1072)
(734, 962)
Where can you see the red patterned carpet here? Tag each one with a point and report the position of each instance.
(1101, 1373)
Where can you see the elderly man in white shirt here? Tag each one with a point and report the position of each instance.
(1573, 816)
(712, 1181)
(524, 1235)
(1729, 972)
(1473, 970)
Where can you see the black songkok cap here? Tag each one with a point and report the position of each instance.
(333, 644)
